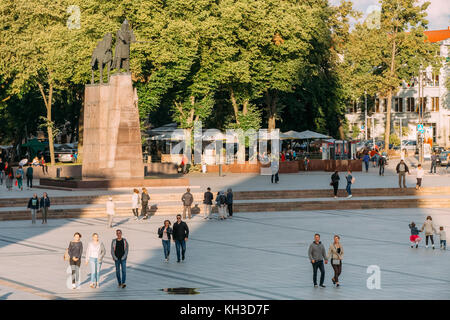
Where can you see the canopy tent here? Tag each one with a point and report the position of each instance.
(291, 134)
(35, 146)
(307, 134)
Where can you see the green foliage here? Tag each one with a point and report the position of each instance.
(355, 131)
(394, 139)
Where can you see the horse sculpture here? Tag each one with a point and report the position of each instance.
(102, 56)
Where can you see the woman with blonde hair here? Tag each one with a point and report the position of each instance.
(94, 256)
(336, 254)
(135, 202)
(429, 230)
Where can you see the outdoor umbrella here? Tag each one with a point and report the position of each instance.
(23, 162)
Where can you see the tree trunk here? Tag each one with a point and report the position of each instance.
(48, 106)
(388, 120)
(387, 131)
(235, 106)
(80, 133)
(271, 105)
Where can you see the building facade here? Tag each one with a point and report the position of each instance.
(408, 102)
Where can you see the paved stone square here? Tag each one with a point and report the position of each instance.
(252, 256)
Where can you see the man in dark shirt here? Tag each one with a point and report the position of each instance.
(119, 253)
(180, 236)
(207, 201)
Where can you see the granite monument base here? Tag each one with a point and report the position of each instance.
(112, 147)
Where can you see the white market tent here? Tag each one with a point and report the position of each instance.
(307, 134)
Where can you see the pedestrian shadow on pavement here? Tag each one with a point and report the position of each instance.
(5, 296)
(107, 273)
(123, 221)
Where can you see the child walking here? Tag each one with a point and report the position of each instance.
(419, 176)
(414, 238)
(443, 238)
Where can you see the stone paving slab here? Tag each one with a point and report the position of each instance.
(252, 256)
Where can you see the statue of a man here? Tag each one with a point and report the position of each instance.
(124, 38)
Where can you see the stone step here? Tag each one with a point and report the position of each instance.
(238, 195)
(273, 206)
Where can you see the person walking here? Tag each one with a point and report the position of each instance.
(221, 202)
(419, 176)
(110, 211)
(229, 202)
(119, 253)
(29, 175)
(135, 202)
(274, 167)
(317, 255)
(402, 169)
(414, 238)
(180, 236)
(335, 182)
(366, 160)
(75, 251)
(350, 180)
(33, 205)
(336, 254)
(429, 228)
(19, 178)
(434, 158)
(2, 171)
(44, 204)
(165, 234)
(187, 200)
(381, 164)
(442, 238)
(94, 257)
(306, 163)
(9, 173)
(207, 203)
(145, 198)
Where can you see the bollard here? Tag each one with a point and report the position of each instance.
(58, 172)
(220, 170)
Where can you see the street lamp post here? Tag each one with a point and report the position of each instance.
(365, 113)
(401, 133)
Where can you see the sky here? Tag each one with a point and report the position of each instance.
(438, 11)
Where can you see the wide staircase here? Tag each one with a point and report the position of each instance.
(244, 201)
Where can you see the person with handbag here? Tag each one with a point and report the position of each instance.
(165, 234)
(94, 256)
(336, 254)
(19, 178)
(335, 182)
(9, 173)
(74, 253)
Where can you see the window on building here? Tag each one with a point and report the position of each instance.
(422, 104)
(410, 104)
(434, 80)
(435, 104)
(353, 108)
(398, 104)
(377, 105)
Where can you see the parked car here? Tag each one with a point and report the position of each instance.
(65, 155)
(442, 158)
(438, 149)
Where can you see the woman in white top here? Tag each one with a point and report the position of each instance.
(110, 210)
(419, 176)
(135, 203)
(94, 256)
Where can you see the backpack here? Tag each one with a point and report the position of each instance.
(222, 199)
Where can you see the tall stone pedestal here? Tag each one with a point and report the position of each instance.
(112, 147)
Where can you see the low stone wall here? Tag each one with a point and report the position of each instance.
(110, 184)
(331, 165)
(73, 171)
(161, 168)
